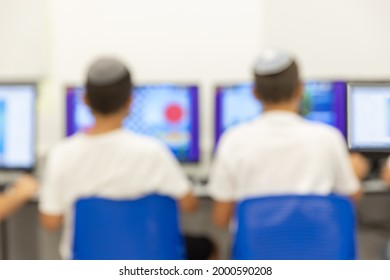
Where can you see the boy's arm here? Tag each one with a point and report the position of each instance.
(356, 196)
(385, 175)
(171, 179)
(188, 203)
(360, 165)
(361, 168)
(385, 172)
(50, 222)
(349, 169)
(222, 213)
(51, 202)
(22, 190)
(222, 187)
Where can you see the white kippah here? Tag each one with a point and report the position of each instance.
(106, 71)
(272, 61)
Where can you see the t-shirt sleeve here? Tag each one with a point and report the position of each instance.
(50, 198)
(346, 182)
(222, 182)
(170, 177)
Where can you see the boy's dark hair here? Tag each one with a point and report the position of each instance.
(108, 86)
(277, 88)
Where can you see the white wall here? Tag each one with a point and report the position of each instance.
(333, 38)
(198, 41)
(23, 48)
(204, 41)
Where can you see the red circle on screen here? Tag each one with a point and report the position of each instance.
(174, 113)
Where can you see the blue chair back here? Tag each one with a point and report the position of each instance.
(295, 228)
(145, 228)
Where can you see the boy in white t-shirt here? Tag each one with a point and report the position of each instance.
(279, 152)
(108, 161)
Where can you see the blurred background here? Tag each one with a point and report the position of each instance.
(202, 42)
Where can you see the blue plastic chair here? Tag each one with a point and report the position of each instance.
(145, 229)
(295, 228)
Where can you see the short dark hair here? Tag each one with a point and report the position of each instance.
(277, 88)
(109, 98)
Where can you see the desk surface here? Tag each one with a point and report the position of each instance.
(375, 185)
(369, 186)
(201, 190)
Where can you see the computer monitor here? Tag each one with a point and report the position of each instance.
(234, 104)
(326, 102)
(17, 126)
(323, 101)
(168, 112)
(369, 117)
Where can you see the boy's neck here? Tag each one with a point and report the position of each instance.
(286, 107)
(104, 124)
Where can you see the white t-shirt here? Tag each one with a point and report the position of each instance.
(281, 153)
(119, 164)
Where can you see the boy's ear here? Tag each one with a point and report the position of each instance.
(129, 101)
(256, 94)
(86, 100)
(299, 90)
(127, 105)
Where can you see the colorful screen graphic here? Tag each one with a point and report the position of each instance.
(165, 111)
(325, 102)
(322, 101)
(369, 117)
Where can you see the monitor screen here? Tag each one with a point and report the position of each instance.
(369, 117)
(168, 112)
(17, 126)
(325, 102)
(322, 101)
(235, 104)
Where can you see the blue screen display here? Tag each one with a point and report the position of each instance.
(322, 101)
(239, 105)
(165, 111)
(318, 102)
